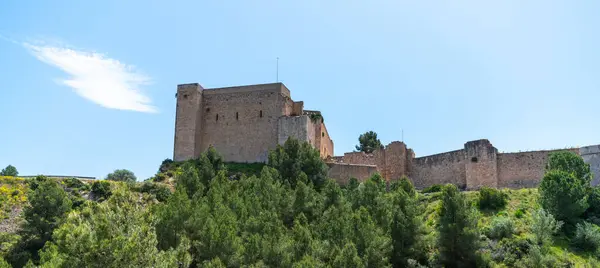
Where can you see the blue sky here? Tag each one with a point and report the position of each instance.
(89, 86)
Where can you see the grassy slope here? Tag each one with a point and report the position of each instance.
(522, 199)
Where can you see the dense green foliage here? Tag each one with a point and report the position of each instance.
(9, 171)
(491, 198)
(565, 187)
(368, 142)
(123, 175)
(458, 239)
(286, 214)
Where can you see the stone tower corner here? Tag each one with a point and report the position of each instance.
(481, 164)
(188, 121)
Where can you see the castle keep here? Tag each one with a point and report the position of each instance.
(243, 123)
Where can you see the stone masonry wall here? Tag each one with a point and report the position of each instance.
(326, 147)
(480, 164)
(189, 99)
(522, 170)
(359, 158)
(441, 168)
(242, 122)
(343, 172)
(591, 155)
(295, 127)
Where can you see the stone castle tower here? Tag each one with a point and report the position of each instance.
(244, 122)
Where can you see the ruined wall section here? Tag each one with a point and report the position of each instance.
(441, 168)
(591, 155)
(524, 169)
(188, 121)
(242, 122)
(481, 164)
(342, 173)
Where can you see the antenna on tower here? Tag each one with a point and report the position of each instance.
(277, 75)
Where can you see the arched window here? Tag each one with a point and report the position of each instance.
(261, 113)
(217, 119)
(237, 116)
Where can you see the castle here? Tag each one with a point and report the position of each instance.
(243, 123)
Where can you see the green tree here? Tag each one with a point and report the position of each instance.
(563, 195)
(348, 258)
(189, 181)
(298, 161)
(116, 233)
(368, 142)
(571, 163)
(407, 230)
(48, 205)
(9, 171)
(123, 175)
(458, 236)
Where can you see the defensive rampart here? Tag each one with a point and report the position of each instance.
(478, 164)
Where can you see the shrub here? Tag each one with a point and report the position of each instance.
(519, 213)
(490, 198)
(509, 251)
(594, 202)
(544, 226)
(405, 184)
(433, 189)
(123, 175)
(101, 189)
(501, 227)
(160, 191)
(587, 237)
(76, 184)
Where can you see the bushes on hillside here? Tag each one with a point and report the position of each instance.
(587, 237)
(101, 190)
(123, 175)
(544, 226)
(159, 190)
(433, 189)
(491, 198)
(501, 227)
(298, 161)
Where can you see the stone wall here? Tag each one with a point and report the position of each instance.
(441, 168)
(295, 127)
(392, 160)
(242, 122)
(187, 121)
(326, 147)
(522, 170)
(359, 158)
(591, 155)
(342, 173)
(480, 164)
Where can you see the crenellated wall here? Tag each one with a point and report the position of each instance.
(477, 164)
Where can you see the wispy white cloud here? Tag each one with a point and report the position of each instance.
(105, 81)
